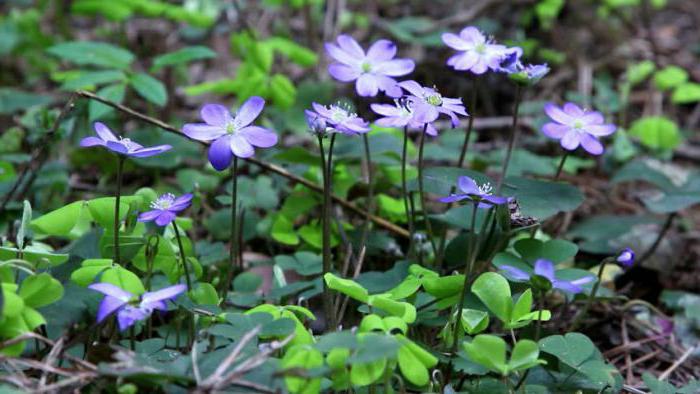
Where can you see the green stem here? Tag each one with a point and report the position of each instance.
(404, 193)
(538, 325)
(561, 166)
(467, 273)
(667, 226)
(326, 232)
(117, 221)
(370, 193)
(591, 297)
(470, 123)
(233, 235)
(421, 192)
(513, 138)
(183, 258)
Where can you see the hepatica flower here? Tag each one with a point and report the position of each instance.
(130, 308)
(626, 257)
(545, 269)
(165, 208)
(335, 118)
(372, 71)
(399, 115)
(232, 134)
(469, 190)
(427, 104)
(575, 126)
(475, 52)
(122, 146)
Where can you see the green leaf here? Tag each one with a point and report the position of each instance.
(183, 56)
(90, 79)
(204, 294)
(40, 290)
(114, 93)
(346, 286)
(13, 100)
(412, 368)
(474, 321)
(556, 250)
(488, 351)
(524, 355)
(304, 357)
(686, 93)
(123, 279)
(493, 290)
(542, 199)
(61, 221)
(93, 53)
(657, 386)
(669, 77)
(102, 209)
(12, 304)
(247, 282)
(656, 132)
(24, 224)
(89, 269)
(283, 231)
(282, 91)
(572, 349)
(295, 52)
(638, 72)
(149, 88)
(364, 374)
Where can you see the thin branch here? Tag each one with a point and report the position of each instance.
(387, 225)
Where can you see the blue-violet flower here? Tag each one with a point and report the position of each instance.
(165, 208)
(336, 118)
(427, 104)
(575, 126)
(545, 268)
(122, 146)
(473, 192)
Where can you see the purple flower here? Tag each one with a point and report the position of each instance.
(232, 135)
(545, 269)
(427, 104)
(475, 52)
(400, 115)
(372, 71)
(529, 74)
(473, 192)
(165, 208)
(129, 309)
(122, 146)
(575, 126)
(336, 118)
(626, 257)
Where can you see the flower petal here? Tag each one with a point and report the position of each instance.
(91, 141)
(557, 114)
(425, 113)
(149, 215)
(412, 87)
(104, 132)
(111, 290)
(472, 35)
(182, 202)
(249, 111)
(128, 316)
(591, 144)
(203, 131)
(514, 273)
(545, 268)
(349, 45)
(554, 130)
(386, 109)
(396, 67)
(344, 73)
(464, 61)
(573, 110)
(341, 56)
(454, 198)
(107, 306)
(601, 130)
(241, 147)
(215, 115)
(566, 286)
(455, 42)
(571, 140)
(366, 85)
(165, 218)
(150, 151)
(467, 185)
(167, 293)
(259, 136)
(592, 118)
(220, 154)
(495, 200)
(381, 50)
(117, 146)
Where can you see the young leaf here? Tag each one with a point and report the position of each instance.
(670, 77)
(93, 53)
(40, 290)
(656, 132)
(488, 351)
(182, 56)
(686, 93)
(493, 290)
(24, 224)
(524, 355)
(123, 278)
(150, 88)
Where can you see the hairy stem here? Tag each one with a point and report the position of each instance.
(404, 193)
(117, 221)
(513, 138)
(183, 258)
(667, 226)
(233, 262)
(326, 233)
(470, 123)
(561, 166)
(370, 194)
(421, 192)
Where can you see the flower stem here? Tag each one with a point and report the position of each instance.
(233, 237)
(117, 221)
(561, 166)
(538, 326)
(591, 297)
(467, 273)
(183, 258)
(326, 231)
(404, 193)
(470, 123)
(513, 138)
(421, 191)
(370, 193)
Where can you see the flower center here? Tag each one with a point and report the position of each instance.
(231, 128)
(366, 67)
(163, 202)
(128, 143)
(486, 189)
(480, 48)
(340, 114)
(434, 99)
(578, 125)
